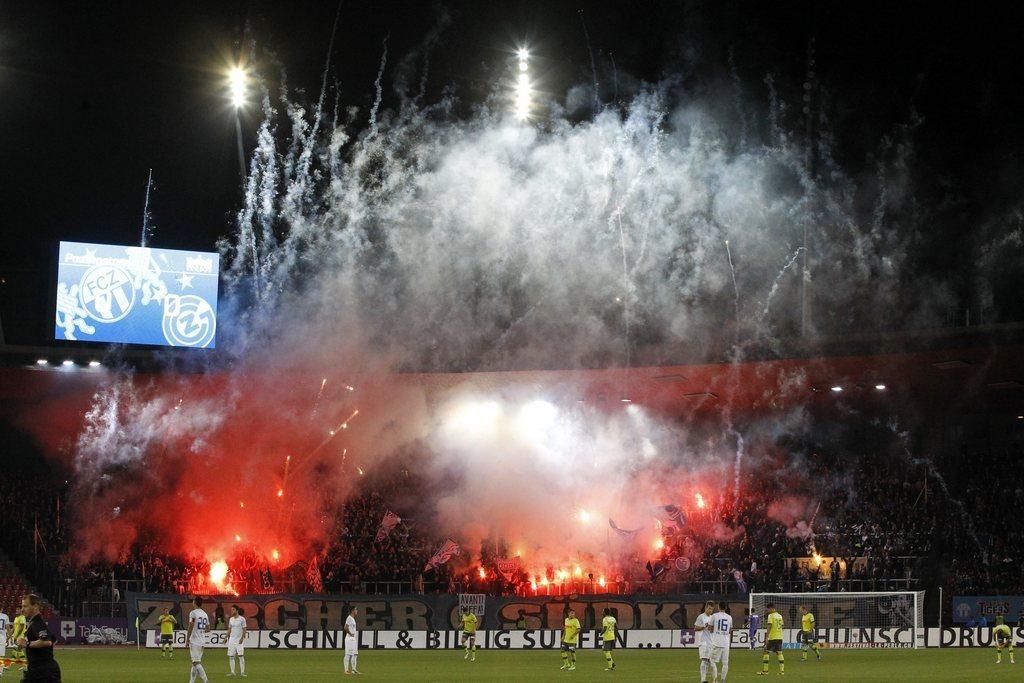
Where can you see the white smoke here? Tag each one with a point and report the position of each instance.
(432, 242)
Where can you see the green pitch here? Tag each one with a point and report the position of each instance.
(106, 665)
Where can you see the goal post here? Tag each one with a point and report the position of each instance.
(853, 620)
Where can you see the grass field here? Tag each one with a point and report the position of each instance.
(106, 665)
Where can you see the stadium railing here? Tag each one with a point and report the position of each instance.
(587, 587)
(101, 608)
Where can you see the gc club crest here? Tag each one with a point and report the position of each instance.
(188, 321)
(106, 293)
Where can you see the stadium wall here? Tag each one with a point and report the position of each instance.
(968, 607)
(547, 639)
(286, 612)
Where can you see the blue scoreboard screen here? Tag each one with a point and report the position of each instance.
(136, 295)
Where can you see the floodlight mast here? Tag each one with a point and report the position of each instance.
(524, 98)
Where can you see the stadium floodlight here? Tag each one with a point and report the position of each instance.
(237, 86)
(536, 415)
(523, 96)
(42, 361)
(68, 363)
(94, 364)
(880, 387)
(837, 388)
(472, 418)
(237, 80)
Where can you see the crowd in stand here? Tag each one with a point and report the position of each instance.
(883, 523)
(991, 488)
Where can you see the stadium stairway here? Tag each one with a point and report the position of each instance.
(13, 587)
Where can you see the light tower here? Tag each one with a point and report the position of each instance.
(523, 98)
(237, 87)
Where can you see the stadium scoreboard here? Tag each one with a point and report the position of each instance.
(136, 295)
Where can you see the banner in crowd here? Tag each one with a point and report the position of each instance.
(92, 631)
(447, 551)
(625, 533)
(474, 602)
(426, 612)
(971, 607)
(508, 567)
(389, 522)
(313, 578)
(550, 639)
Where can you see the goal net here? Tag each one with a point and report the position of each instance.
(851, 620)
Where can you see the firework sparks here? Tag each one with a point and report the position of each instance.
(316, 401)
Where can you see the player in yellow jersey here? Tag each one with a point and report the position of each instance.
(608, 636)
(469, 634)
(18, 630)
(773, 642)
(167, 624)
(1003, 637)
(808, 634)
(570, 639)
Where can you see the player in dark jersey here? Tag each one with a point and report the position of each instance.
(38, 644)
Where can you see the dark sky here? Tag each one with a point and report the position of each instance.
(94, 94)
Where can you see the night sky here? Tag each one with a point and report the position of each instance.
(94, 94)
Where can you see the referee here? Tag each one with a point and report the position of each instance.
(38, 644)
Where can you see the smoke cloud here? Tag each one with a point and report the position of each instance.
(653, 231)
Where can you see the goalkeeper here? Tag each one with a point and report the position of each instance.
(1003, 637)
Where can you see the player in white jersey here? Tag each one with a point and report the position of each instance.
(236, 641)
(351, 642)
(702, 631)
(198, 625)
(5, 625)
(721, 638)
